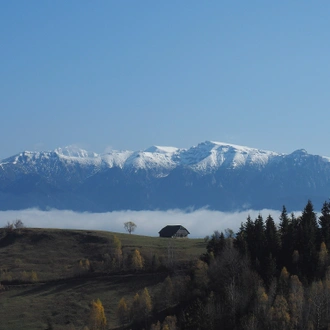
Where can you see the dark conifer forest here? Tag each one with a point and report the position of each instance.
(266, 276)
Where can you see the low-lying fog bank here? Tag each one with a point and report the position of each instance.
(199, 223)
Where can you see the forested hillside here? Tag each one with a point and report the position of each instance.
(271, 274)
(266, 276)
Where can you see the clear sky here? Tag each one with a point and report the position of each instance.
(131, 74)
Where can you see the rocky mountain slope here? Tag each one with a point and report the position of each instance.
(216, 175)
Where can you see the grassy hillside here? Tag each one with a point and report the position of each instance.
(53, 290)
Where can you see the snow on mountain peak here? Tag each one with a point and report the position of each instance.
(162, 150)
(158, 161)
(116, 158)
(225, 145)
(205, 157)
(75, 152)
(209, 155)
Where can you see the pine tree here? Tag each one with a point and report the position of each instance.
(296, 263)
(272, 238)
(269, 270)
(324, 222)
(284, 222)
(250, 238)
(285, 230)
(294, 232)
(309, 241)
(259, 244)
(216, 243)
(259, 234)
(272, 250)
(240, 240)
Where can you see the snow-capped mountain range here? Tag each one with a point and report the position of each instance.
(212, 174)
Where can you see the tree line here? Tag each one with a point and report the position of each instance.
(266, 276)
(299, 244)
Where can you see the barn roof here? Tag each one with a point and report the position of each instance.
(171, 230)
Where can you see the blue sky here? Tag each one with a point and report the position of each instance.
(131, 74)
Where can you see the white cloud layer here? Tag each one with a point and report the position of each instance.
(200, 222)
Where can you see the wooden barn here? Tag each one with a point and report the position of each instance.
(174, 231)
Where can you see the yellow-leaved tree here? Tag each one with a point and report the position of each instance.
(296, 301)
(116, 252)
(323, 258)
(283, 282)
(122, 311)
(141, 306)
(261, 301)
(137, 260)
(136, 308)
(97, 319)
(279, 313)
(170, 323)
(146, 304)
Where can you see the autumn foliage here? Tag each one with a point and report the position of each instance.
(97, 319)
(137, 260)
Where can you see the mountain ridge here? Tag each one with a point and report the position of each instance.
(187, 156)
(216, 175)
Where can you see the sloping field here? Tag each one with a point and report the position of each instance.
(45, 286)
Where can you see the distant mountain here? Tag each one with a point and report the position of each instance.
(216, 175)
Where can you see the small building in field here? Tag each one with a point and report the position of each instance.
(174, 231)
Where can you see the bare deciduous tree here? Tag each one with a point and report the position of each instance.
(15, 225)
(18, 224)
(130, 226)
